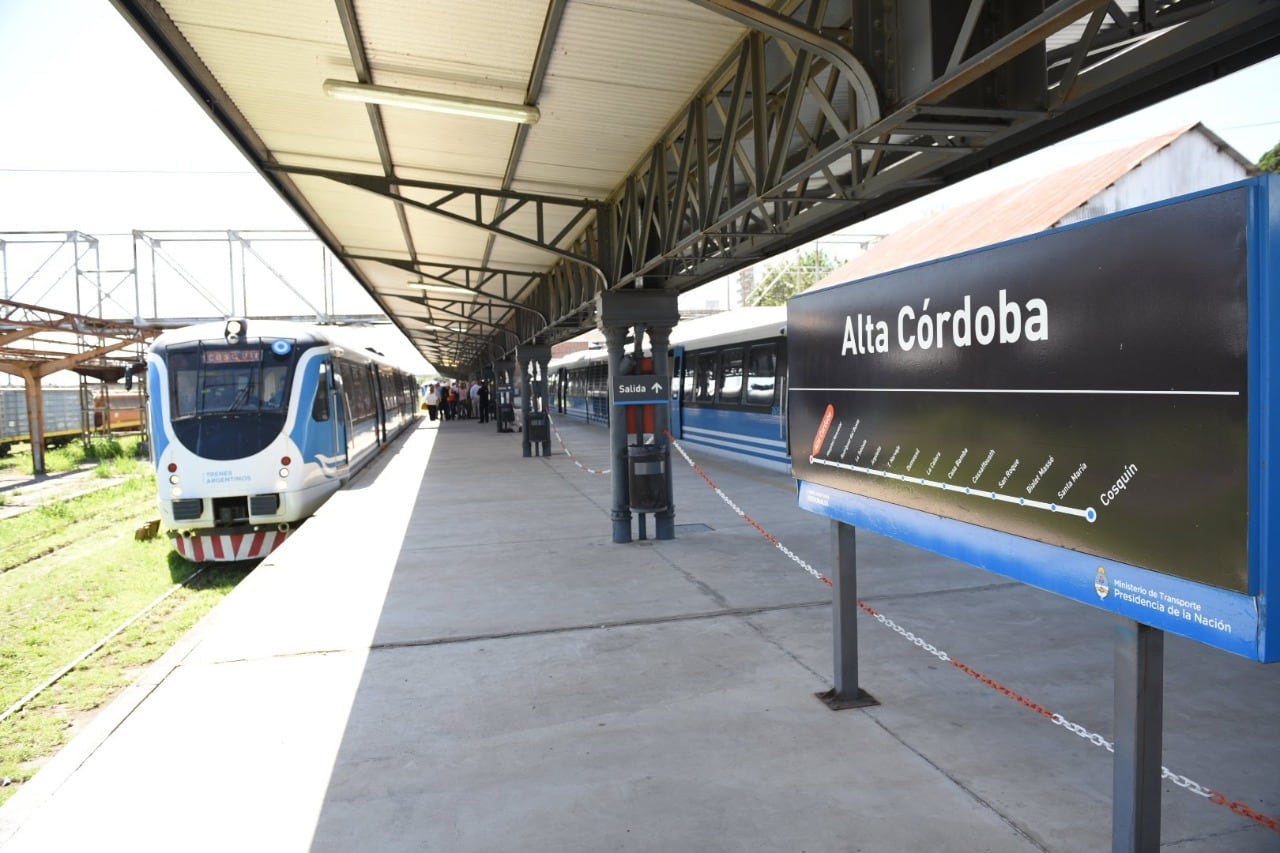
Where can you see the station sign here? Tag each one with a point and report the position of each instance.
(1084, 410)
(641, 389)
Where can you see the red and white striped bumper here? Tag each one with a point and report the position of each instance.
(224, 547)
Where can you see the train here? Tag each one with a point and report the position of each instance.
(256, 423)
(728, 385)
(69, 414)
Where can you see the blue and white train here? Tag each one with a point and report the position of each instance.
(255, 423)
(728, 395)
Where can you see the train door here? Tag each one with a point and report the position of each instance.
(780, 405)
(677, 391)
(379, 403)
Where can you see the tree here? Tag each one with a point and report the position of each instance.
(1270, 161)
(781, 281)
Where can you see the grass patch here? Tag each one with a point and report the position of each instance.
(61, 523)
(116, 452)
(70, 573)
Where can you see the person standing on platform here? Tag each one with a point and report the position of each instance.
(482, 400)
(473, 398)
(433, 401)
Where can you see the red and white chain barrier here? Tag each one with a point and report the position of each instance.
(1215, 797)
(567, 452)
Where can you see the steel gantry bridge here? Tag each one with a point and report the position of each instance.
(485, 169)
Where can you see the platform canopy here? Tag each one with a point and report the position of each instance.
(484, 168)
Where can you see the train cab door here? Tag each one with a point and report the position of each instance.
(677, 388)
(340, 422)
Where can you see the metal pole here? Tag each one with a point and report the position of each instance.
(526, 402)
(659, 340)
(1139, 711)
(844, 622)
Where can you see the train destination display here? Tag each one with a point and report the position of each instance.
(1083, 409)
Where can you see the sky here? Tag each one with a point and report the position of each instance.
(99, 137)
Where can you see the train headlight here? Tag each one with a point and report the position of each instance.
(176, 491)
(284, 472)
(233, 331)
(174, 479)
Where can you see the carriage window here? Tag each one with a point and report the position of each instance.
(689, 380)
(730, 376)
(762, 370)
(704, 381)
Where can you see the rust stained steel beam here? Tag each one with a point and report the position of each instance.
(59, 340)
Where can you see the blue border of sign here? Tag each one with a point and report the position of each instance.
(652, 401)
(1224, 619)
(1264, 373)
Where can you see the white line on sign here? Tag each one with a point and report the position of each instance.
(1089, 513)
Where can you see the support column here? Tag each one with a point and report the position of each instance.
(616, 312)
(844, 622)
(1139, 712)
(504, 376)
(533, 359)
(35, 420)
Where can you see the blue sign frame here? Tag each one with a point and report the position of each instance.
(1230, 615)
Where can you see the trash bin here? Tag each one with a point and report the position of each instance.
(538, 427)
(647, 477)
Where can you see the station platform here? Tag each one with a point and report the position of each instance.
(453, 655)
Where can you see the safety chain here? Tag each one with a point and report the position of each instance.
(1220, 799)
(737, 509)
(1215, 797)
(906, 635)
(567, 452)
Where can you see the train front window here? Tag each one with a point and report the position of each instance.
(225, 381)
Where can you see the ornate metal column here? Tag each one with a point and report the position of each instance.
(533, 360)
(616, 312)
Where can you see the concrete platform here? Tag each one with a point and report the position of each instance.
(453, 656)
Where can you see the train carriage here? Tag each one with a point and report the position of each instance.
(256, 423)
(67, 415)
(728, 385)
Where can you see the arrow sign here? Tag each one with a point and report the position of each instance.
(641, 389)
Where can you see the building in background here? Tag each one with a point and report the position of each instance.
(1181, 161)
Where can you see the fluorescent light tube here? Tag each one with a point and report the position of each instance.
(391, 96)
(451, 290)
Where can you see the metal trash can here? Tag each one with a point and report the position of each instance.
(647, 477)
(537, 427)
